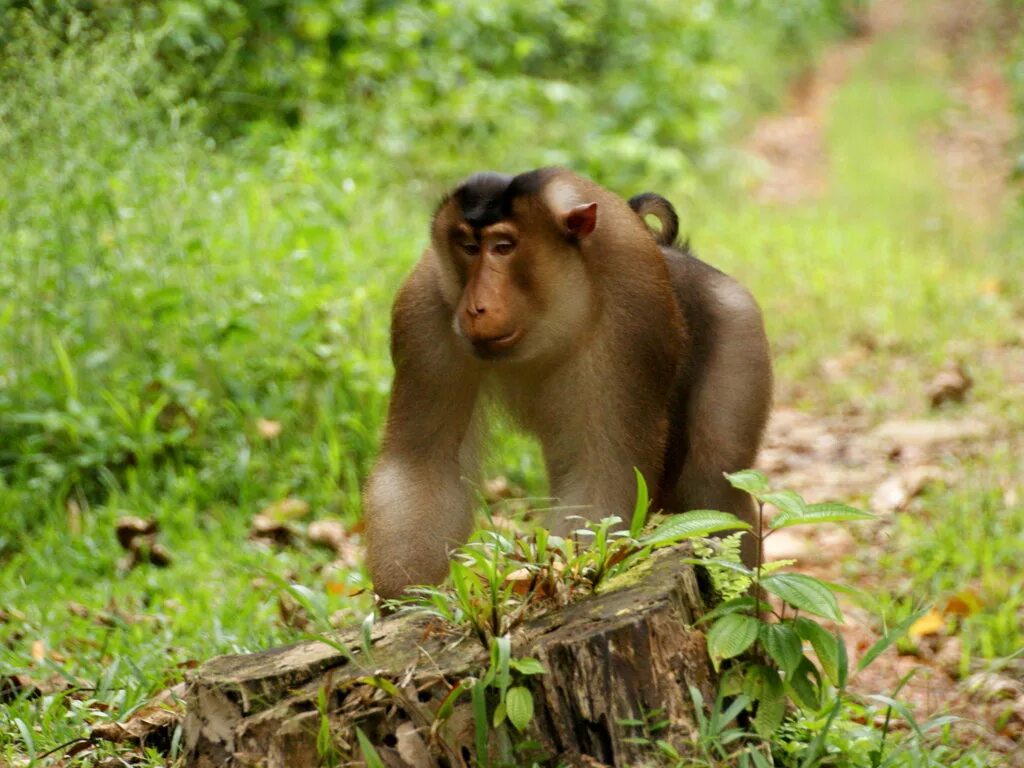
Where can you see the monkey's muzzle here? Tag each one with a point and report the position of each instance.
(496, 346)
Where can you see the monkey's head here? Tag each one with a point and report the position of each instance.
(511, 255)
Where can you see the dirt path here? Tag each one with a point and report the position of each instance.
(790, 147)
(886, 466)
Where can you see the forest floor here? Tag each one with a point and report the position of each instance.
(908, 460)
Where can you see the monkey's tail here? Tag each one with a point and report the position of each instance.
(653, 204)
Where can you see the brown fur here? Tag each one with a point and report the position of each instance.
(615, 352)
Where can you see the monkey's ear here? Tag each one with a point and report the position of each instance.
(581, 220)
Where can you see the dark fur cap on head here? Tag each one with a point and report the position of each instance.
(486, 198)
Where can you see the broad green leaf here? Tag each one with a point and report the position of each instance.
(731, 635)
(804, 592)
(519, 706)
(842, 663)
(501, 655)
(749, 480)
(462, 582)
(500, 712)
(692, 525)
(824, 644)
(527, 666)
(782, 644)
(789, 503)
(805, 683)
(737, 604)
(771, 702)
(640, 508)
(381, 683)
(827, 512)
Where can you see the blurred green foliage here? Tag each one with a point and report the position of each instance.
(609, 79)
(179, 259)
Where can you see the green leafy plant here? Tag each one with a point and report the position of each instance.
(773, 618)
(778, 632)
(498, 578)
(500, 698)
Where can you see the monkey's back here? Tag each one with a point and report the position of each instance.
(726, 368)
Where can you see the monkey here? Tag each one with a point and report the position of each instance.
(615, 347)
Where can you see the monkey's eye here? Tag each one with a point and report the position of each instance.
(504, 247)
(471, 249)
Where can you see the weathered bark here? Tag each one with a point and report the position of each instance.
(616, 656)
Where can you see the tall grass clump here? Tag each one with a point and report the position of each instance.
(161, 294)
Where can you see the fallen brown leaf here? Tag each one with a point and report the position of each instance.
(159, 555)
(896, 492)
(270, 530)
(286, 509)
(930, 624)
(341, 589)
(521, 578)
(292, 613)
(989, 686)
(138, 537)
(78, 747)
(500, 488)
(327, 533)
(964, 603)
(950, 385)
(13, 686)
(411, 747)
(130, 527)
(151, 725)
(268, 429)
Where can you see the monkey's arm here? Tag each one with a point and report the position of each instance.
(417, 505)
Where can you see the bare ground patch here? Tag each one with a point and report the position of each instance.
(974, 145)
(887, 467)
(789, 148)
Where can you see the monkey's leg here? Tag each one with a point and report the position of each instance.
(726, 413)
(591, 450)
(418, 508)
(418, 501)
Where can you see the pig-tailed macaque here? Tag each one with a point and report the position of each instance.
(615, 348)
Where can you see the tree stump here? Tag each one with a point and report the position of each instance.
(617, 656)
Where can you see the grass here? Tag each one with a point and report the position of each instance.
(162, 294)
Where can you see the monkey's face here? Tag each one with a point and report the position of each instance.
(494, 306)
(515, 271)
